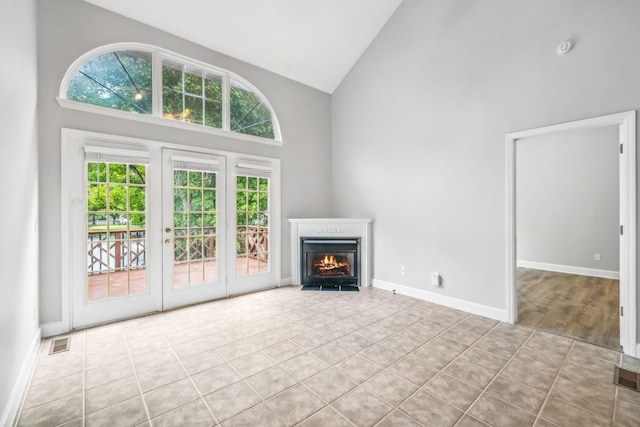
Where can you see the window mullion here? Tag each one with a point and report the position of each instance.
(156, 85)
(184, 98)
(226, 102)
(202, 92)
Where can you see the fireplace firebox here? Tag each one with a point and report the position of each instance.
(330, 263)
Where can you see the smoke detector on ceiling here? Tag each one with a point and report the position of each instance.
(564, 47)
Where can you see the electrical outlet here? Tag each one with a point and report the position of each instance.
(596, 257)
(435, 279)
(403, 270)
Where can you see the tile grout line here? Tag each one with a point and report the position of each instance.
(243, 379)
(299, 382)
(574, 343)
(215, 419)
(482, 391)
(135, 373)
(84, 377)
(308, 305)
(278, 364)
(407, 355)
(357, 353)
(497, 374)
(25, 393)
(459, 357)
(419, 388)
(615, 396)
(533, 332)
(555, 380)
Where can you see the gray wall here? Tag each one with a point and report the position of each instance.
(419, 124)
(70, 28)
(19, 195)
(567, 199)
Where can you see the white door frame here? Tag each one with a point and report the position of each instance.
(176, 297)
(243, 285)
(72, 140)
(74, 226)
(626, 121)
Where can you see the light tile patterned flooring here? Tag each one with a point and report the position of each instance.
(291, 357)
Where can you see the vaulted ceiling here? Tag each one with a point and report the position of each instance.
(315, 42)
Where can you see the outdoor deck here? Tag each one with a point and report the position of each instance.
(119, 281)
(117, 259)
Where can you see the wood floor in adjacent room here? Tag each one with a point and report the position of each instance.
(579, 307)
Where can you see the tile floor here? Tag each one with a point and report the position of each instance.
(291, 357)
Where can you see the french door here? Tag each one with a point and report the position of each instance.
(148, 228)
(194, 221)
(255, 218)
(112, 252)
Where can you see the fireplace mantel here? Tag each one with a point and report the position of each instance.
(332, 227)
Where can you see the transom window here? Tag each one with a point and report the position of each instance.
(150, 82)
(119, 80)
(191, 94)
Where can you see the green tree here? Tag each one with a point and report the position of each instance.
(122, 186)
(248, 114)
(193, 95)
(118, 80)
(123, 81)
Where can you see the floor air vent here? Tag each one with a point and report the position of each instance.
(626, 378)
(59, 345)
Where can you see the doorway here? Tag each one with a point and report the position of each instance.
(152, 226)
(567, 217)
(623, 125)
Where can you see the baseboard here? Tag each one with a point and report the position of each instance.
(469, 307)
(287, 281)
(53, 328)
(13, 405)
(568, 269)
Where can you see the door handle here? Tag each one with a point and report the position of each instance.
(167, 241)
(167, 230)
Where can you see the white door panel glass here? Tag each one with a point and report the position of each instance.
(252, 215)
(116, 230)
(108, 198)
(194, 219)
(253, 264)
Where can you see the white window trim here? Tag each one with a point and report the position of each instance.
(158, 55)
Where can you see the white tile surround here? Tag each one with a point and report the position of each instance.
(332, 227)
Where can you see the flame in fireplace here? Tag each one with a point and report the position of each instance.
(329, 260)
(330, 265)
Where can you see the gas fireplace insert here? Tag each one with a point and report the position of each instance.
(330, 263)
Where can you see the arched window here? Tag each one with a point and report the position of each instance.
(151, 84)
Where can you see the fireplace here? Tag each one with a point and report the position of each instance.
(330, 263)
(331, 231)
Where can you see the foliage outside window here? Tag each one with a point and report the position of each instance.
(195, 217)
(116, 195)
(248, 114)
(198, 94)
(118, 80)
(252, 236)
(191, 95)
(116, 229)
